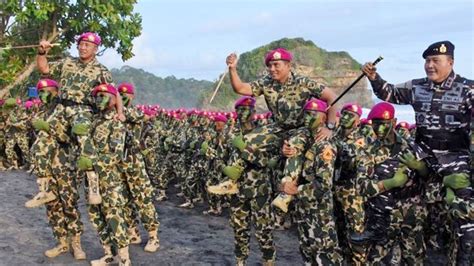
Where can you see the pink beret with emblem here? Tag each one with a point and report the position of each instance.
(108, 88)
(245, 101)
(126, 88)
(278, 54)
(42, 83)
(403, 124)
(28, 104)
(315, 105)
(365, 121)
(353, 107)
(382, 110)
(90, 37)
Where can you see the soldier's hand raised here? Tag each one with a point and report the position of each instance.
(231, 60)
(369, 70)
(44, 47)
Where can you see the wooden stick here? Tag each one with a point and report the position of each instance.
(218, 85)
(26, 46)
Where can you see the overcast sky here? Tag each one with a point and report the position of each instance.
(192, 38)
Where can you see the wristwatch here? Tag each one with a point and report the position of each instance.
(331, 126)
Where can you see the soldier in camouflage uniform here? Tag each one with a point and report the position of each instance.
(77, 77)
(216, 151)
(314, 193)
(403, 129)
(350, 204)
(108, 218)
(137, 182)
(285, 93)
(366, 130)
(253, 200)
(443, 104)
(17, 135)
(56, 176)
(395, 211)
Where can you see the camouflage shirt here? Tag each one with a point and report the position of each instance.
(286, 101)
(109, 138)
(78, 79)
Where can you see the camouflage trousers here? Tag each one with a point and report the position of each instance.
(317, 232)
(165, 171)
(406, 230)
(264, 141)
(151, 165)
(195, 179)
(20, 139)
(54, 161)
(256, 211)
(461, 224)
(214, 177)
(108, 218)
(352, 220)
(436, 229)
(140, 194)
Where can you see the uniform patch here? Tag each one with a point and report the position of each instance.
(327, 154)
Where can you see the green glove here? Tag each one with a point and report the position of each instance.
(456, 181)
(239, 143)
(192, 145)
(84, 163)
(145, 152)
(398, 180)
(40, 124)
(10, 102)
(204, 147)
(80, 129)
(449, 198)
(410, 160)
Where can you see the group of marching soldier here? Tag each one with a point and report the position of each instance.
(360, 190)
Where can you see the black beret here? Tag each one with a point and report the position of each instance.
(437, 48)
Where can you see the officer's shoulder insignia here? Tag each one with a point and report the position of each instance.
(327, 154)
(442, 48)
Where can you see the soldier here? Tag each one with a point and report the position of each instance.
(351, 217)
(443, 104)
(396, 213)
(252, 202)
(56, 176)
(77, 76)
(314, 205)
(108, 218)
(17, 135)
(285, 94)
(140, 190)
(217, 153)
(403, 129)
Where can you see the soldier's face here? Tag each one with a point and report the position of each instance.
(127, 99)
(220, 126)
(314, 119)
(349, 119)
(102, 101)
(367, 130)
(382, 127)
(47, 93)
(87, 50)
(244, 113)
(279, 70)
(438, 67)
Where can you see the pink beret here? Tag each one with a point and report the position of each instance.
(42, 83)
(220, 118)
(382, 110)
(316, 105)
(126, 88)
(28, 104)
(245, 101)
(403, 124)
(365, 121)
(89, 37)
(108, 88)
(353, 107)
(278, 54)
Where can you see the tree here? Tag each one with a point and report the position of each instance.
(29, 21)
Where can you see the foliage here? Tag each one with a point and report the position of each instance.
(28, 21)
